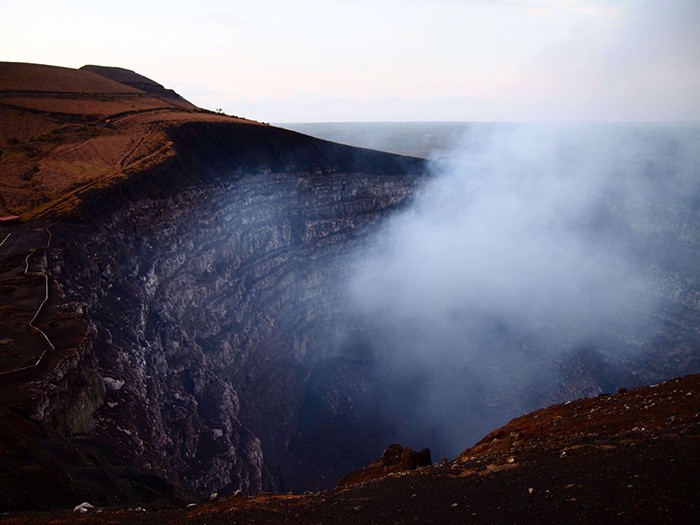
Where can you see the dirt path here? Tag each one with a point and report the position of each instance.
(32, 324)
(46, 292)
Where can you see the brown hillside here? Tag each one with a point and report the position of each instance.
(121, 75)
(16, 76)
(66, 131)
(133, 79)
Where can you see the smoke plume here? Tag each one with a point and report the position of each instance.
(528, 246)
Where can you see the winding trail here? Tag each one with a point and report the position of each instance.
(41, 306)
(46, 295)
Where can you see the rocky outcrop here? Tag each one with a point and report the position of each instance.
(395, 459)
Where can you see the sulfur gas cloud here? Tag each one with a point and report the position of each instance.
(528, 247)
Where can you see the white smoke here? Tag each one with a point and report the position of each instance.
(528, 244)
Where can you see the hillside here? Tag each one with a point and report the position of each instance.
(66, 130)
(133, 79)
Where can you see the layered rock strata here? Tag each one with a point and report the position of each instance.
(207, 292)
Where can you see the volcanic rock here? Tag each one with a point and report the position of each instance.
(395, 458)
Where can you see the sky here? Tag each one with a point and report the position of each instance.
(385, 60)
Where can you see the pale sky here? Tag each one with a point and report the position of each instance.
(385, 60)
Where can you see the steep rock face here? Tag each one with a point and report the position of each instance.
(212, 306)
